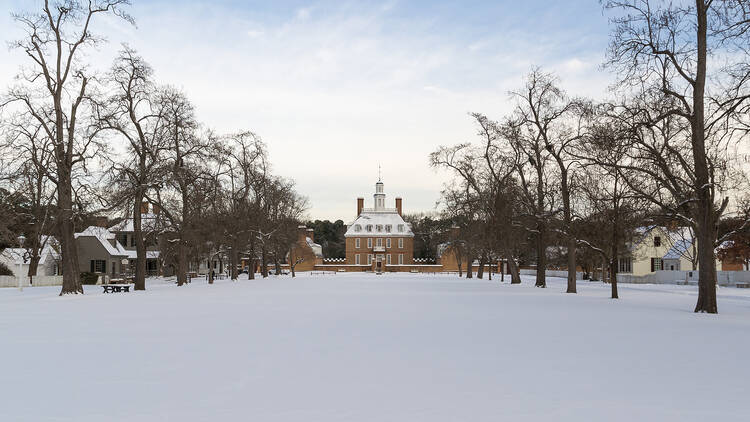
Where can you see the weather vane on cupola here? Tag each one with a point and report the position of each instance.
(379, 178)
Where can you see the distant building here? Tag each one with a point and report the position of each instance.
(125, 234)
(379, 237)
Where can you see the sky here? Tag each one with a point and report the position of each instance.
(337, 88)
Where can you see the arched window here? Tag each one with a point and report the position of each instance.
(357, 228)
(379, 228)
(369, 227)
(400, 228)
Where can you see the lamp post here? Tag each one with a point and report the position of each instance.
(21, 239)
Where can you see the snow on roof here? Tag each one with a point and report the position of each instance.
(679, 248)
(23, 256)
(316, 248)
(375, 219)
(133, 254)
(106, 238)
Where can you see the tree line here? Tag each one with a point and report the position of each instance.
(76, 143)
(666, 146)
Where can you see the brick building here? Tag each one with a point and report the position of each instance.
(379, 237)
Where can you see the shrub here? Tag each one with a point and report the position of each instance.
(89, 278)
(5, 270)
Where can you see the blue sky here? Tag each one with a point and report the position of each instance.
(336, 87)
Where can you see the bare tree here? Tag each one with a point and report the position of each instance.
(135, 116)
(55, 90)
(664, 52)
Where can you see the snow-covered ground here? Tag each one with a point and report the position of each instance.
(364, 347)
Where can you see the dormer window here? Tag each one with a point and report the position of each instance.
(379, 228)
(400, 228)
(369, 228)
(388, 228)
(357, 228)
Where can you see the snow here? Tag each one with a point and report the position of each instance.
(107, 239)
(362, 347)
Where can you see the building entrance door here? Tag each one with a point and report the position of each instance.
(379, 263)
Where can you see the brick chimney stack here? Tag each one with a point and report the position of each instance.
(360, 205)
(398, 206)
(302, 230)
(144, 207)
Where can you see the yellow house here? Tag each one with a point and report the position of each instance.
(656, 248)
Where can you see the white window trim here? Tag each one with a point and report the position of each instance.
(379, 242)
(388, 259)
(369, 242)
(356, 243)
(401, 243)
(388, 244)
(369, 259)
(400, 259)
(356, 259)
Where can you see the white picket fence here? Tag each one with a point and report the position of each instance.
(36, 281)
(723, 278)
(552, 273)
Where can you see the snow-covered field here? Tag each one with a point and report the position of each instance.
(364, 347)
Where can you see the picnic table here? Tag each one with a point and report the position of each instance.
(116, 288)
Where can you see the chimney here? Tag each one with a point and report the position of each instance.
(302, 230)
(155, 209)
(144, 207)
(455, 232)
(311, 234)
(398, 206)
(360, 205)
(101, 221)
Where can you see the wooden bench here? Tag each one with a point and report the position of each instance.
(322, 272)
(743, 285)
(116, 288)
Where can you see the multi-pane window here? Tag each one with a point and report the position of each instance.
(379, 242)
(357, 228)
(356, 243)
(379, 228)
(369, 227)
(625, 265)
(369, 242)
(388, 259)
(400, 227)
(98, 266)
(356, 259)
(657, 264)
(388, 243)
(122, 238)
(401, 243)
(369, 259)
(657, 241)
(400, 259)
(388, 228)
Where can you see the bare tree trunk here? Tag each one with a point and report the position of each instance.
(182, 262)
(71, 270)
(480, 270)
(234, 260)
(33, 266)
(140, 246)
(541, 259)
(469, 269)
(251, 267)
(571, 265)
(706, 231)
(515, 277)
(264, 262)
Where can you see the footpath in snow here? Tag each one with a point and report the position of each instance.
(362, 347)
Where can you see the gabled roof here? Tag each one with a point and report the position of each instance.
(20, 256)
(106, 238)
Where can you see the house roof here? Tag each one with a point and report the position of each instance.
(376, 218)
(316, 248)
(106, 238)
